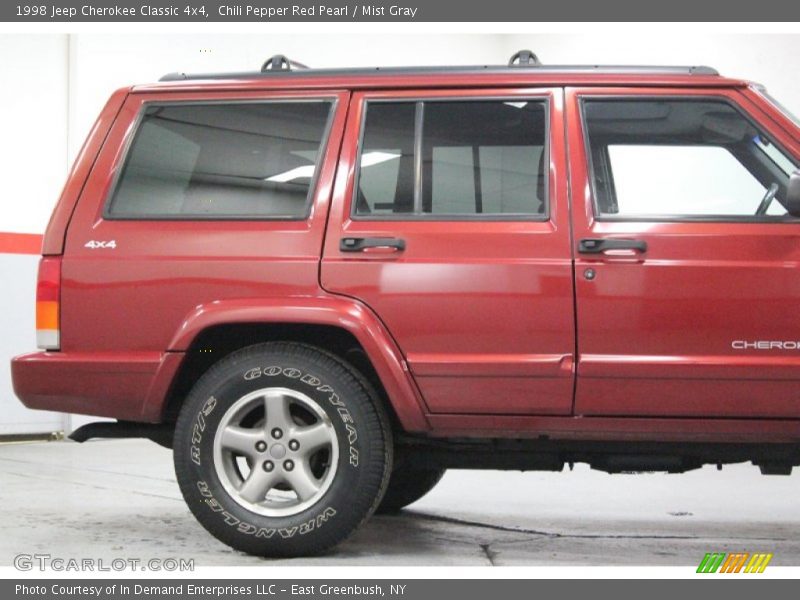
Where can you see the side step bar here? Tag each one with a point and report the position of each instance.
(158, 433)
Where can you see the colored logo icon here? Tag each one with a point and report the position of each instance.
(740, 562)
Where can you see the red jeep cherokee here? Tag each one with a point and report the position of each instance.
(324, 288)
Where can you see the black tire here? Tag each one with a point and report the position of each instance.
(407, 485)
(356, 421)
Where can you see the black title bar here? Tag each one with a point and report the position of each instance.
(144, 11)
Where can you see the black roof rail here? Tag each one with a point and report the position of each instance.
(276, 63)
(281, 65)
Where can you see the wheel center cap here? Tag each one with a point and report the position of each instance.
(277, 450)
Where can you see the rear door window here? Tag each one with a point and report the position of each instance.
(453, 159)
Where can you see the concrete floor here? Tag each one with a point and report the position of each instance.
(108, 499)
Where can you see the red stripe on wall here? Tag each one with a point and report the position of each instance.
(20, 243)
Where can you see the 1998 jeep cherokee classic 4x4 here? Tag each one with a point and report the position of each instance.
(334, 285)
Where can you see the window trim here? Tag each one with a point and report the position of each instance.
(419, 123)
(332, 101)
(672, 218)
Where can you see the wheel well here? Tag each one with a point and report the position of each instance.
(215, 343)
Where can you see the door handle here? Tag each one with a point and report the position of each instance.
(600, 246)
(358, 244)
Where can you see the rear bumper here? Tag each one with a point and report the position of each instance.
(127, 386)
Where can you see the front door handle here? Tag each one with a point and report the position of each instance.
(600, 246)
(358, 244)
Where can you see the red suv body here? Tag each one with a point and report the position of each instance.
(523, 266)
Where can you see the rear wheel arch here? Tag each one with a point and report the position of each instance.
(343, 329)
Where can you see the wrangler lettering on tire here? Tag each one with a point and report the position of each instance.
(282, 449)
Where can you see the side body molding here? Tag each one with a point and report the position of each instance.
(344, 313)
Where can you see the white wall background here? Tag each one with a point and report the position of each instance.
(53, 87)
(33, 128)
(33, 163)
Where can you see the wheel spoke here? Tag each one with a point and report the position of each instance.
(241, 439)
(278, 415)
(302, 481)
(313, 438)
(258, 483)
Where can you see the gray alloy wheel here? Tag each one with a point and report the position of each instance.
(285, 462)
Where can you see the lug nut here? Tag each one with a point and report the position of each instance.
(261, 446)
(268, 465)
(288, 465)
(277, 433)
(294, 445)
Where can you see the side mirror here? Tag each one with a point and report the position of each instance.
(793, 195)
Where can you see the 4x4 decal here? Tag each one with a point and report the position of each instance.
(97, 244)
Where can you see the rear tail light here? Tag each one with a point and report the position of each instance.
(48, 304)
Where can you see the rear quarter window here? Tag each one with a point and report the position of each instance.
(237, 160)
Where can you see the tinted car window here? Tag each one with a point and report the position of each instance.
(453, 159)
(386, 164)
(674, 158)
(483, 158)
(246, 160)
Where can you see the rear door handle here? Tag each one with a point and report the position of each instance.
(600, 246)
(358, 244)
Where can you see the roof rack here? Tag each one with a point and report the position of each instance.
(280, 62)
(524, 59)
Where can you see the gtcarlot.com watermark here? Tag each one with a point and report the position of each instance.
(48, 562)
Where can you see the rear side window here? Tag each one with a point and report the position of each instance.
(237, 160)
(683, 158)
(453, 159)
